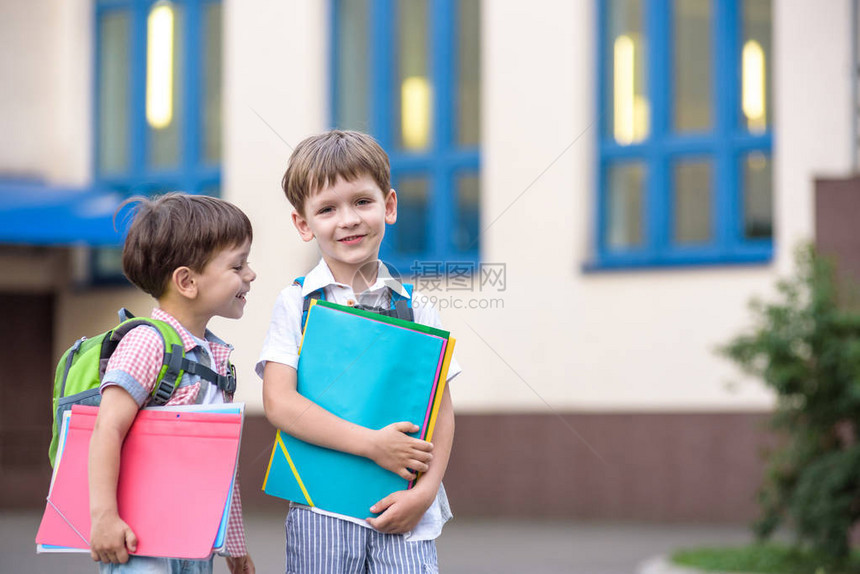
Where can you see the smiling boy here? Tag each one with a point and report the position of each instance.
(339, 186)
(191, 254)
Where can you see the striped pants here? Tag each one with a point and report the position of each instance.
(318, 544)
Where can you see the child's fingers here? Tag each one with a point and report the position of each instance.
(130, 540)
(121, 556)
(405, 473)
(422, 456)
(423, 445)
(383, 504)
(406, 427)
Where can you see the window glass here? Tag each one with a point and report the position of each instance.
(626, 187)
(756, 73)
(692, 202)
(468, 212)
(414, 91)
(113, 92)
(685, 177)
(351, 97)
(692, 74)
(758, 196)
(411, 230)
(469, 81)
(164, 83)
(627, 90)
(390, 59)
(212, 65)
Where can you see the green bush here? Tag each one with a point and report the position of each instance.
(806, 348)
(762, 559)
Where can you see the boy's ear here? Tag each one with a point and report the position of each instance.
(183, 282)
(302, 226)
(391, 207)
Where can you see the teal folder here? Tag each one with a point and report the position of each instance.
(369, 370)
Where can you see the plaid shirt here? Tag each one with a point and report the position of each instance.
(134, 366)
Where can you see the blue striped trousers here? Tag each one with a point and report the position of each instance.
(318, 544)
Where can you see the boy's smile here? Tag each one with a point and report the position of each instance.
(225, 281)
(352, 239)
(348, 221)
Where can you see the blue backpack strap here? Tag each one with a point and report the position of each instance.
(306, 304)
(401, 305)
(400, 302)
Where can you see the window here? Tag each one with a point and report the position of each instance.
(685, 99)
(158, 95)
(408, 72)
(157, 105)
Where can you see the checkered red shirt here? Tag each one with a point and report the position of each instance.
(140, 354)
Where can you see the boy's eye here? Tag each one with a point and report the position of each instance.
(363, 201)
(324, 210)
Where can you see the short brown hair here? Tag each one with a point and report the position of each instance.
(318, 161)
(176, 230)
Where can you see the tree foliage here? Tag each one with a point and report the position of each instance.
(806, 348)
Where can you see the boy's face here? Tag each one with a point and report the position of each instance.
(348, 221)
(224, 282)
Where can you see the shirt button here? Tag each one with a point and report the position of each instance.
(350, 302)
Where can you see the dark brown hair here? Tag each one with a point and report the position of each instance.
(176, 230)
(318, 161)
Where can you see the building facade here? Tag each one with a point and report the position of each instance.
(590, 191)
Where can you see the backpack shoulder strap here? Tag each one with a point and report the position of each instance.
(174, 352)
(175, 363)
(319, 294)
(401, 305)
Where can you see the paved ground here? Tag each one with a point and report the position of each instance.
(466, 547)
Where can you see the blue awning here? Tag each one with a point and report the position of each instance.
(39, 214)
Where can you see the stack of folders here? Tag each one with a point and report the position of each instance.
(370, 370)
(177, 471)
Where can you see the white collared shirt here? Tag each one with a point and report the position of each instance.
(284, 337)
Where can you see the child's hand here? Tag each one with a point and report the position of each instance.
(392, 449)
(111, 540)
(401, 511)
(241, 564)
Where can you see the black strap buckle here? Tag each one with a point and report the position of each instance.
(167, 385)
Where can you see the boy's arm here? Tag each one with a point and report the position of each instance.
(402, 510)
(388, 447)
(111, 539)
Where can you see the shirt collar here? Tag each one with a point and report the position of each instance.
(321, 276)
(189, 341)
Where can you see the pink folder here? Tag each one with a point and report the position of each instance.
(176, 473)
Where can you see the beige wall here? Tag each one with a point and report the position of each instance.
(635, 340)
(45, 114)
(813, 110)
(640, 340)
(275, 72)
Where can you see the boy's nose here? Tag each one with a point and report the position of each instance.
(349, 218)
(251, 274)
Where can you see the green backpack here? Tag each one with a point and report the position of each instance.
(82, 366)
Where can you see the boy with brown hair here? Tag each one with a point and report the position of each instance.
(191, 254)
(339, 186)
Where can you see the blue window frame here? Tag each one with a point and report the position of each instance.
(157, 104)
(158, 96)
(685, 137)
(408, 72)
